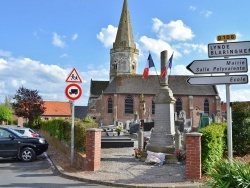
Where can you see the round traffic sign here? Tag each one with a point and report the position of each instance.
(73, 91)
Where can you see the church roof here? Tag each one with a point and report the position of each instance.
(97, 87)
(81, 111)
(135, 84)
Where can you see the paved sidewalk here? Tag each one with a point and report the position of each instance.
(119, 169)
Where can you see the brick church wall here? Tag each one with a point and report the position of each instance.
(118, 101)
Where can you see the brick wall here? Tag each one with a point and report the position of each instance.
(79, 159)
(91, 161)
(193, 154)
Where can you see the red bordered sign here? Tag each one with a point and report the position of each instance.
(73, 91)
(74, 77)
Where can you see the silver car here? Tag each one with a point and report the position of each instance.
(24, 131)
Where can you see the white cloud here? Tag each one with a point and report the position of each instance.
(187, 48)
(155, 46)
(206, 13)
(107, 36)
(75, 36)
(64, 55)
(192, 8)
(180, 70)
(48, 80)
(57, 41)
(175, 30)
(5, 53)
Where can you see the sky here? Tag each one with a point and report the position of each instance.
(42, 41)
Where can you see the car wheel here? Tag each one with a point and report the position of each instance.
(27, 155)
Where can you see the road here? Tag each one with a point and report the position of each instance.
(37, 174)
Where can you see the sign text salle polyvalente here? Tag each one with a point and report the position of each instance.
(229, 49)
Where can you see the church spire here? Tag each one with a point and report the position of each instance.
(124, 37)
(124, 55)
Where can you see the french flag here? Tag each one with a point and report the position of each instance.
(150, 63)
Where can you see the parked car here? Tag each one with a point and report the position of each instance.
(14, 144)
(25, 131)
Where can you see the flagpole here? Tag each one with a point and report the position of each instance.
(157, 76)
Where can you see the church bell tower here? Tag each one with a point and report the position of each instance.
(124, 55)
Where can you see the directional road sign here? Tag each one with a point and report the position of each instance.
(229, 49)
(210, 66)
(218, 80)
(74, 77)
(73, 91)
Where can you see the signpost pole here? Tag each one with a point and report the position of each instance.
(229, 121)
(229, 125)
(72, 131)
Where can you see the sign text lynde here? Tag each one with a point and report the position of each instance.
(229, 49)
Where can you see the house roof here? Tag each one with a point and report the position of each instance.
(55, 108)
(81, 111)
(128, 84)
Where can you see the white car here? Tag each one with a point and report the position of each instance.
(24, 131)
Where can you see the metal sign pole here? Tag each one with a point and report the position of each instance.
(229, 122)
(229, 125)
(72, 132)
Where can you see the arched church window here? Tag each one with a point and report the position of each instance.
(115, 66)
(153, 107)
(206, 106)
(178, 106)
(110, 105)
(129, 105)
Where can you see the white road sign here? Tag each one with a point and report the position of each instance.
(218, 80)
(229, 49)
(232, 65)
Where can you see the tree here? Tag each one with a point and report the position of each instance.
(28, 104)
(6, 114)
(7, 101)
(241, 127)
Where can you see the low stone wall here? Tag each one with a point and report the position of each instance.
(79, 159)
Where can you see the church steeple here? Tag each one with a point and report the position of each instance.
(124, 36)
(124, 55)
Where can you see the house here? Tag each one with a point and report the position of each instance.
(56, 109)
(119, 99)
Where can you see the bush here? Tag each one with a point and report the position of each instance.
(61, 129)
(241, 128)
(226, 175)
(212, 144)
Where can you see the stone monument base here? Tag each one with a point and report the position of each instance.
(160, 149)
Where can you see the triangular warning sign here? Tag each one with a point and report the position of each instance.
(74, 77)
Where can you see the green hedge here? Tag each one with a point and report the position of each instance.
(213, 145)
(61, 129)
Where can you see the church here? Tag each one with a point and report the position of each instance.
(127, 94)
